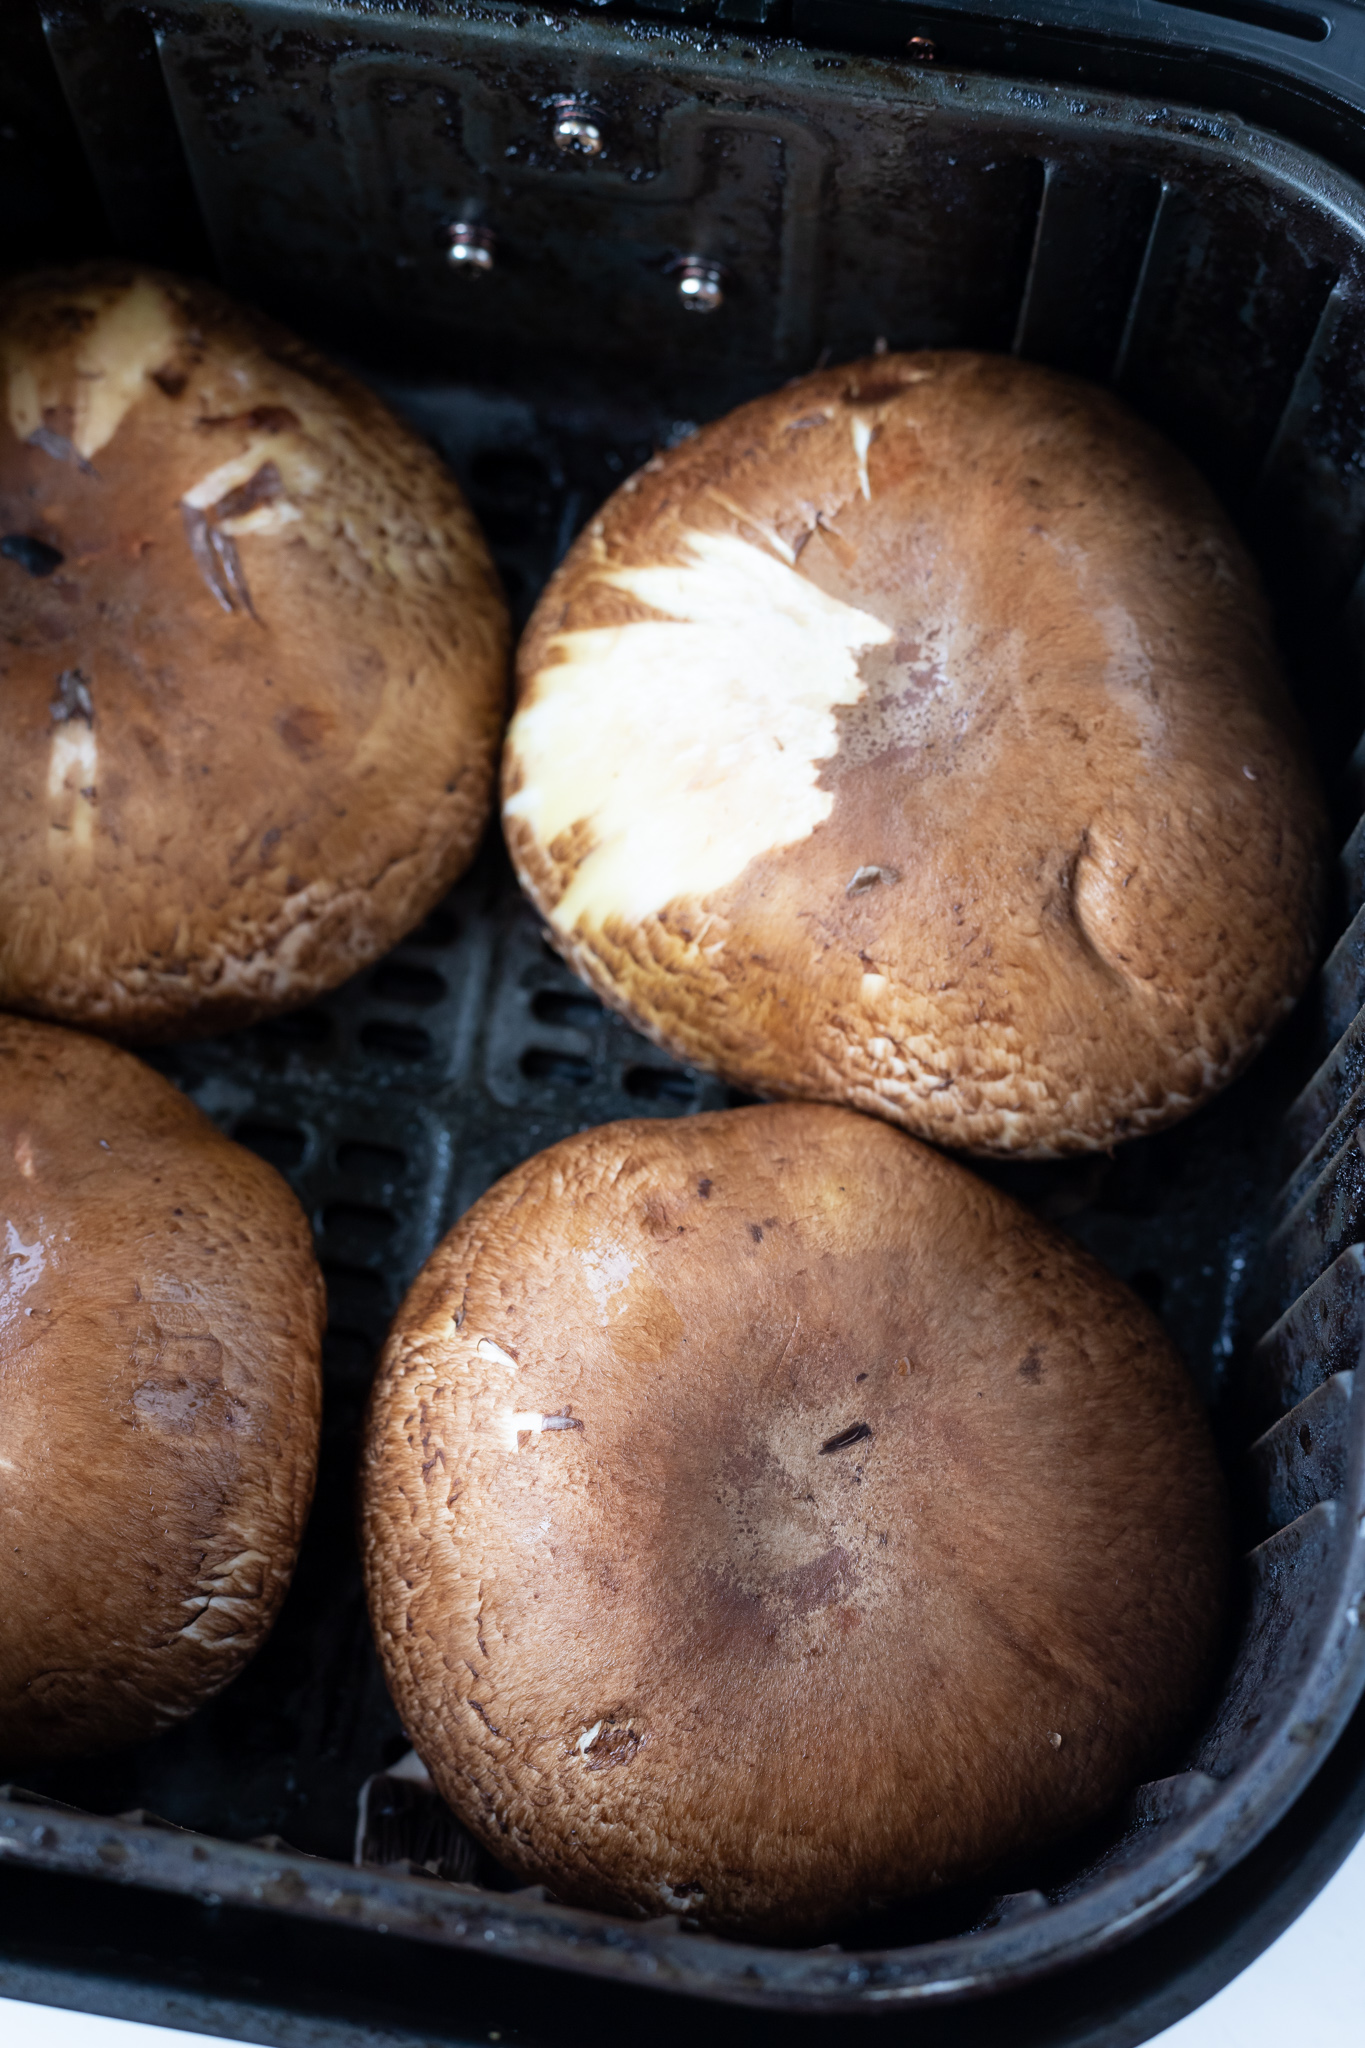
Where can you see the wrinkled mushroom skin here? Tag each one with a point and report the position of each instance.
(914, 738)
(160, 1388)
(764, 1518)
(252, 707)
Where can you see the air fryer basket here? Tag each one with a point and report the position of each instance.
(1216, 274)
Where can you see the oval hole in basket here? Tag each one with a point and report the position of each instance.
(659, 1084)
(571, 1009)
(279, 1144)
(298, 1027)
(438, 929)
(371, 1162)
(542, 1063)
(365, 1224)
(392, 982)
(399, 1041)
(365, 1287)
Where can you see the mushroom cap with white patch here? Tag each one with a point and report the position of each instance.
(159, 1403)
(914, 738)
(741, 1499)
(256, 668)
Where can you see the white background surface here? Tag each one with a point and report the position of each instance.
(1308, 1991)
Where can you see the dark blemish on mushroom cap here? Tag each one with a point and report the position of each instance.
(756, 1232)
(304, 729)
(262, 419)
(612, 1744)
(272, 419)
(169, 380)
(856, 1433)
(73, 698)
(263, 487)
(877, 391)
(217, 560)
(484, 1718)
(1031, 1369)
(31, 553)
(704, 1189)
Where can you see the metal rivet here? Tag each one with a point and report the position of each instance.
(470, 247)
(574, 130)
(700, 285)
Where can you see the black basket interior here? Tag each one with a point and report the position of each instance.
(314, 156)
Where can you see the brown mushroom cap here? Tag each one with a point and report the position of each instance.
(160, 1387)
(763, 1518)
(253, 662)
(913, 738)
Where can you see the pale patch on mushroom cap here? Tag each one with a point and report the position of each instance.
(130, 331)
(1048, 866)
(72, 782)
(687, 744)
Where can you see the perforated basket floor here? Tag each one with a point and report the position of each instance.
(395, 1102)
(1215, 274)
